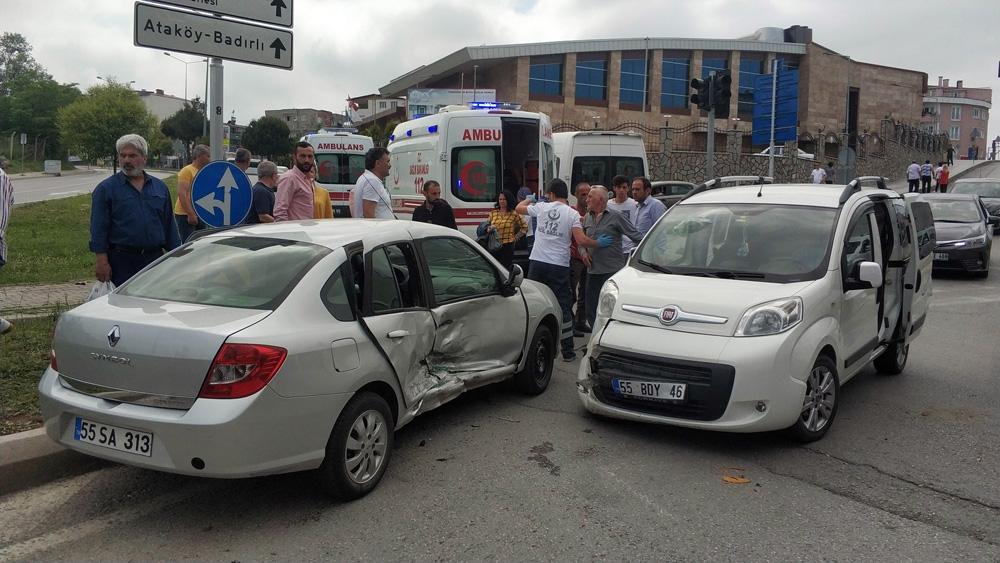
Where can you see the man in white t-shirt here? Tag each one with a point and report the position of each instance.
(557, 224)
(818, 175)
(369, 199)
(624, 205)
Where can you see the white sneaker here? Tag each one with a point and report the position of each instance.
(5, 326)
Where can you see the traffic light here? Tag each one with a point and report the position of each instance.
(721, 94)
(702, 98)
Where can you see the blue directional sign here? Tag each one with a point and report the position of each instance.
(222, 194)
(786, 116)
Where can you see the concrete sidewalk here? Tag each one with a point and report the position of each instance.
(32, 300)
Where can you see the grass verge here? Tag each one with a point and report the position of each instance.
(24, 353)
(48, 241)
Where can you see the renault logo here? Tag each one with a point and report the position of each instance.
(114, 336)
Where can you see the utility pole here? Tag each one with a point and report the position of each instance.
(710, 150)
(215, 137)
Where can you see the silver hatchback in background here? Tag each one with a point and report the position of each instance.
(292, 346)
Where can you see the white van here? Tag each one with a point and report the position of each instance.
(469, 152)
(746, 308)
(598, 156)
(340, 159)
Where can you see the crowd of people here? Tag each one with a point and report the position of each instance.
(927, 178)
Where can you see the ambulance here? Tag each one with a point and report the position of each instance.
(598, 156)
(473, 152)
(340, 159)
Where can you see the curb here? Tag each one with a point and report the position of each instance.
(29, 459)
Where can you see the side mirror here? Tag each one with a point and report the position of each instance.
(993, 220)
(866, 275)
(515, 278)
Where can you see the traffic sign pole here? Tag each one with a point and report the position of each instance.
(215, 131)
(774, 102)
(710, 149)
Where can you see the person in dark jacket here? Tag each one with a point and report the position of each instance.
(435, 210)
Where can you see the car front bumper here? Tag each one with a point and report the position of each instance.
(257, 435)
(962, 260)
(733, 384)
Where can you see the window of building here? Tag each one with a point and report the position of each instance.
(591, 79)
(953, 132)
(751, 67)
(633, 81)
(956, 113)
(714, 62)
(545, 78)
(674, 85)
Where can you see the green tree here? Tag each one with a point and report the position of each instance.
(17, 63)
(186, 125)
(268, 136)
(380, 133)
(91, 125)
(32, 108)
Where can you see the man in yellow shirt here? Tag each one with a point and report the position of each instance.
(187, 219)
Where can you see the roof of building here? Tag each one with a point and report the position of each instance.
(447, 65)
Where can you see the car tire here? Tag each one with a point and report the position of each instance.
(537, 373)
(819, 406)
(359, 448)
(893, 360)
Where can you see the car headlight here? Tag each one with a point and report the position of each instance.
(977, 241)
(609, 296)
(773, 317)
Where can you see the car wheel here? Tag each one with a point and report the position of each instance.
(359, 448)
(819, 407)
(893, 360)
(537, 373)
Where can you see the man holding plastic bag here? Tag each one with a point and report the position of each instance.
(131, 220)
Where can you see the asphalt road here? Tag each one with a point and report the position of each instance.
(43, 188)
(910, 471)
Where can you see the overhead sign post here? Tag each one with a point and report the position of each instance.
(222, 194)
(201, 34)
(272, 12)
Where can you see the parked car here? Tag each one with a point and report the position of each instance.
(779, 150)
(671, 191)
(964, 233)
(292, 346)
(745, 309)
(988, 189)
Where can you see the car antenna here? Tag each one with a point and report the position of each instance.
(760, 192)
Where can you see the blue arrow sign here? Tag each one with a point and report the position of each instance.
(222, 194)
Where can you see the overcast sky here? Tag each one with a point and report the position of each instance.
(352, 48)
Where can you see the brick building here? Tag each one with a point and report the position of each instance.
(961, 112)
(306, 120)
(602, 83)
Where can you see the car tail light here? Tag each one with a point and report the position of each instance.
(240, 370)
(52, 348)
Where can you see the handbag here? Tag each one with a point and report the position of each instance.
(493, 243)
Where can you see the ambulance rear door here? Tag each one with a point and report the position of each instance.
(475, 167)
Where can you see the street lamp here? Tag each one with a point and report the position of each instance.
(205, 100)
(176, 58)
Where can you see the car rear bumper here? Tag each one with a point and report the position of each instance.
(965, 260)
(736, 385)
(257, 435)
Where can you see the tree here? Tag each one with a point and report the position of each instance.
(268, 136)
(186, 125)
(91, 125)
(16, 62)
(32, 108)
(380, 133)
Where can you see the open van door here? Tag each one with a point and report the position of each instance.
(917, 281)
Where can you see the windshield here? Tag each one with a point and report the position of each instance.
(955, 211)
(775, 243)
(981, 189)
(241, 272)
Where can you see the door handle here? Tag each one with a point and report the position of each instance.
(398, 334)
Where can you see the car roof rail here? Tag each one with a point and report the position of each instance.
(718, 182)
(855, 186)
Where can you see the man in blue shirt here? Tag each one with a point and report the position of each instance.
(131, 220)
(649, 209)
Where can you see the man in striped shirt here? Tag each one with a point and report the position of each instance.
(6, 203)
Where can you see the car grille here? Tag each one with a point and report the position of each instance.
(708, 385)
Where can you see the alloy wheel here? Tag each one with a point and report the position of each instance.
(821, 396)
(366, 446)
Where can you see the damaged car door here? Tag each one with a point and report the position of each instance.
(480, 323)
(397, 316)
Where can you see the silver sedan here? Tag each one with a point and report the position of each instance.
(292, 346)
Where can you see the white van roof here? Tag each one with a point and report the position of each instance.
(599, 134)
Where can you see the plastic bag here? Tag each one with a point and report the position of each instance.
(100, 289)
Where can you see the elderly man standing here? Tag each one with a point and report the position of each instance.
(131, 223)
(604, 223)
(295, 199)
(262, 206)
(578, 268)
(649, 208)
(6, 204)
(242, 159)
(187, 220)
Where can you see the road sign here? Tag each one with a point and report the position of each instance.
(222, 194)
(786, 109)
(24, 138)
(274, 12)
(201, 34)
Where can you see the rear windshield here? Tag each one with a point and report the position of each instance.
(982, 189)
(334, 168)
(602, 169)
(241, 272)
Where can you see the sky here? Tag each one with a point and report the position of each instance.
(352, 48)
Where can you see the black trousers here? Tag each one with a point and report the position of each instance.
(914, 185)
(124, 264)
(925, 183)
(505, 255)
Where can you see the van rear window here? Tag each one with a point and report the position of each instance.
(602, 169)
(474, 173)
(334, 168)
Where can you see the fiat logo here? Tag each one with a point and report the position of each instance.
(668, 315)
(114, 336)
